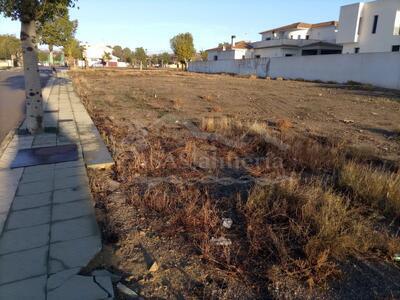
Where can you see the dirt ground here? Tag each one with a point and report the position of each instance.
(130, 107)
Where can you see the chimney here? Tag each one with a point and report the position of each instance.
(233, 37)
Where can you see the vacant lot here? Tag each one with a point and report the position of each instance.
(242, 188)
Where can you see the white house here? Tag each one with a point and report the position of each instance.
(370, 27)
(298, 39)
(291, 40)
(94, 56)
(239, 50)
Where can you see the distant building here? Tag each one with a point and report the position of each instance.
(291, 40)
(94, 56)
(370, 27)
(239, 50)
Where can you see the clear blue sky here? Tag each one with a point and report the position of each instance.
(151, 23)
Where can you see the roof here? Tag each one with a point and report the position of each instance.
(238, 45)
(301, 25)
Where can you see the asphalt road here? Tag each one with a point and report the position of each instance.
(12, 98)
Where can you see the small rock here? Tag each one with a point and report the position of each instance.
(347, 121)
(221, 241)
(227, 223)
(374, 113)
(279, 78)
(126, 291)
(320, 95)
(154, 267)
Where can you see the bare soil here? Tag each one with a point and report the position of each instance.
(150, 118)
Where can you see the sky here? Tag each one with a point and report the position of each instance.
(152, 23)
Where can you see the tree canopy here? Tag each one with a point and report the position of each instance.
(140, 55)
(183, 47)
(118, 52)
(10, 47)
(57, 32)
(34, 10)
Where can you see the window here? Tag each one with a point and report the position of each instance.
(359, 25)
(307, 37)
(268, 39)
(216, 57)
(288, 55)
(396, 48)
(299, 37)
(357, 50)
(291, 37)
(397, 24)
(258, 56)
(375, 26)
(243, 56)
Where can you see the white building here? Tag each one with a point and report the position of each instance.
(239, 50)
(298, 39)
(292, 40)
(370, 27)
(94, 56)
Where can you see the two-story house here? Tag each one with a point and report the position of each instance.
(298, 39)
(291, 40)
(370, 27)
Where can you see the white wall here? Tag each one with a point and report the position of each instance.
(326, 34)
(379, 69)
(258, 67)
(383, 39)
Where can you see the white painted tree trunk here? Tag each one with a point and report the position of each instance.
(51, 56)
(33, 90)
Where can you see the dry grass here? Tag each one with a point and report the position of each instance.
(301, 227)
(375, 187)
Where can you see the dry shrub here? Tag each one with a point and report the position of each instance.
(208, 98)
(306, 153)
(305, 228)
(216, 108)
(374, 186)
(216, 124)
(284, 124)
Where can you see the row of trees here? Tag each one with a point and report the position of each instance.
(10, 48)
(139, 55)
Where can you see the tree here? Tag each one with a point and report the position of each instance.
(10, 48)
(106, 58)
(140, 56)
(57, 32)
(127, 55)
(73, 51)
(165, 58)
(118, 52)
(204, 55)
(28, 12)
(183, 47)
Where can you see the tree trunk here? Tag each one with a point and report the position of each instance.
(51, 55)
(33, 90)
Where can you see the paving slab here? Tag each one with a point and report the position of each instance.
(29, 289)
(74, 229)
(29, 217)
(32, 201)
(24, 239)
(23, 265)
(71, 194)
(73, 253)
(72, 210)
(80, 287)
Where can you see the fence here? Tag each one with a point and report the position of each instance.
(379, 69)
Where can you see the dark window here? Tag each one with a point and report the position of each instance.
(216, 57)
(268, 39)
(288, 55)
(309, 52)
(258, 56)
(375, 26)
(307, 37)
(359, 25)
(243, 56)
(357, 50)
(299, 37)
(291, 37)
(396, 48)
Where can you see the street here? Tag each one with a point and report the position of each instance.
(12, 98)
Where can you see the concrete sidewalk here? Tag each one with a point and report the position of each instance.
(47, 222)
